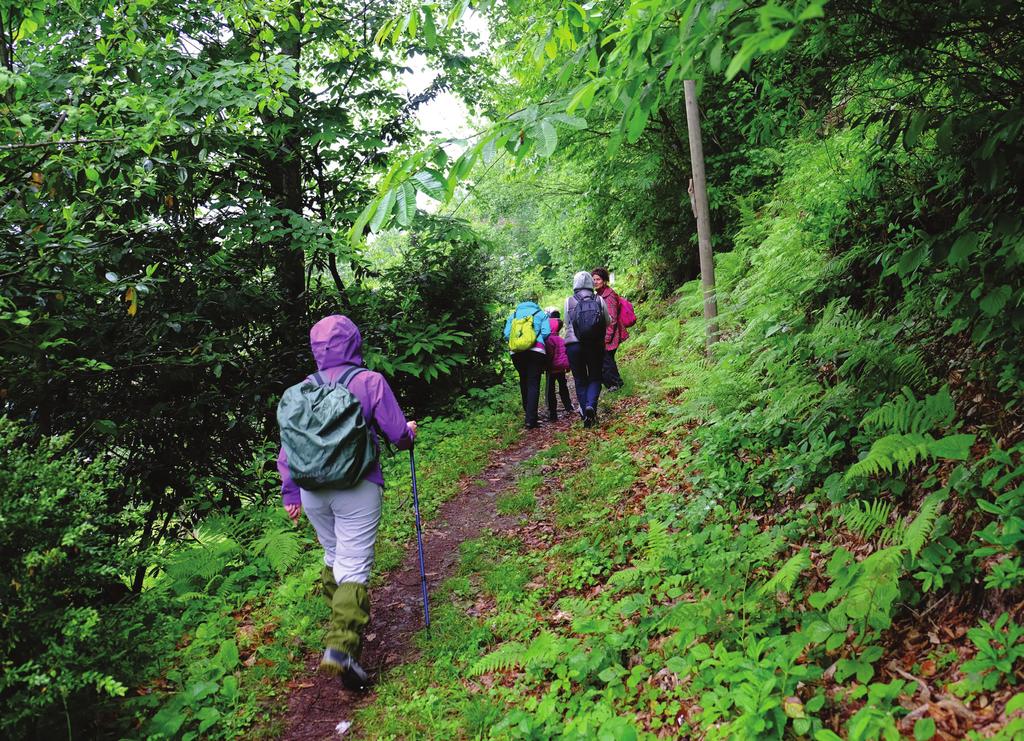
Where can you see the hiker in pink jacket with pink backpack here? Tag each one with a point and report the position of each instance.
(622, 316)
(558, 364)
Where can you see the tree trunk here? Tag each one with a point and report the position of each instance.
(284, 173)
(699, 202)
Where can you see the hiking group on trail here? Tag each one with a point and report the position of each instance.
(333, 421)
(597, 324)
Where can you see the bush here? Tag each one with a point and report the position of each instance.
(428, 318)
(64, 550)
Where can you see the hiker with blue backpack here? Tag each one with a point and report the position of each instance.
(584, 343)
(329, 466)
(526, 329)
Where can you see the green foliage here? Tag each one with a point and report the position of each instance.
(523, 500)
(911, 420)
(66, 558)
(1000, 649)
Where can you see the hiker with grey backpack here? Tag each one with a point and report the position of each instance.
(584, 343)
(329, 466)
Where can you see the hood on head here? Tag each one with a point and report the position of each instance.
(582, 279)
(335, 340)
(556, 324)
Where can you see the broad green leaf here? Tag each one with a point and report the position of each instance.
(953, 447)
(405, 203)
(573, 122)
(995, 300)
(548, 138)
(364, 218)
(383, 211)
(429, 29)
(779, 42)
(583, 97)
(431, 183)
(914, 128)
(964, 246)
(924, 729)
(911, 260)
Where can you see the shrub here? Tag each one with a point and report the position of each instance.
(64, 550)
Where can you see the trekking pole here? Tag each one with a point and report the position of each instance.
(419, 538)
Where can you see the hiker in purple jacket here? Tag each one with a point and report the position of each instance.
(346, 520)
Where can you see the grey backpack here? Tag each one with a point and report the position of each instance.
(324, 433)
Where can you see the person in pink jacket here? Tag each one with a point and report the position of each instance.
(558, 364)
(614, 334)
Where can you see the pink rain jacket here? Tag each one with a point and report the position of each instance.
(558, 360)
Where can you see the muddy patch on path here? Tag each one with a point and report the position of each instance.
(317, 704)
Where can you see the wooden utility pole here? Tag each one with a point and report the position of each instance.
(699, 202)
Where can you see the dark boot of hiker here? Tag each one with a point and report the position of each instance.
(350, 613)
(340, 664)
(589, 417)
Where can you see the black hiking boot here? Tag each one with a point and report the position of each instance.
(589, 417)
(340, 664)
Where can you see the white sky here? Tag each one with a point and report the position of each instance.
(445, 115)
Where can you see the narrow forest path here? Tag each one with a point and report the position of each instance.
(317, 704)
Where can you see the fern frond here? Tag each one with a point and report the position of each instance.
(901, 451)
(865, 518)
(658, 545)
(908, 415)
(625, 578)
(910, 368)
(785, 578)
(505, 657)
(921, 527)
(281, 548)
(200, 563)
(871, 595)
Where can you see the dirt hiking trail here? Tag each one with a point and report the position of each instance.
(316, 703)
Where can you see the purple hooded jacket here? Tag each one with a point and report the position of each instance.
(337, 345)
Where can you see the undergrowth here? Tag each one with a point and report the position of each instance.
(808, 535)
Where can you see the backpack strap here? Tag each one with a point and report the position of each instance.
(319, 379)
(349, 374)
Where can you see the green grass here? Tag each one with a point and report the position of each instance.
(523, 499)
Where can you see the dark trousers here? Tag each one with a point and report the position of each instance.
(586, 360)
(563, 391)
(610, 370)
(530, 365)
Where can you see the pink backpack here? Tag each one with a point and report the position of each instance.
(627, 317)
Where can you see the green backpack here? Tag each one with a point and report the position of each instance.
(324, 433)
(522, 337)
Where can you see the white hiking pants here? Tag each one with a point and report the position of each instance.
(346, 522)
